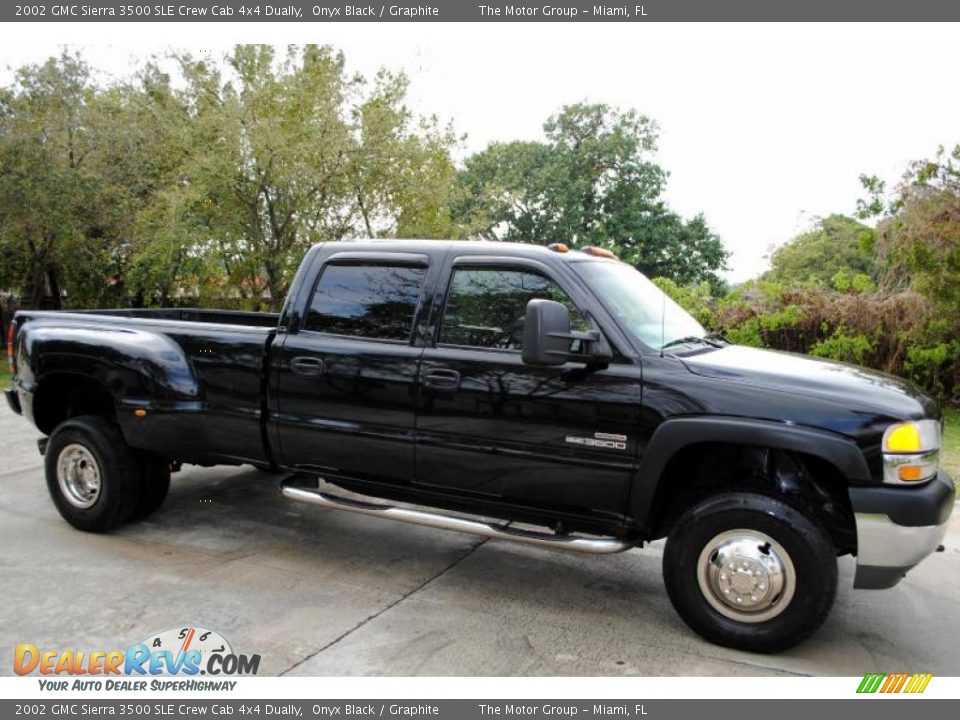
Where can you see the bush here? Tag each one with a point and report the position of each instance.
(840, 346)
(903, 333)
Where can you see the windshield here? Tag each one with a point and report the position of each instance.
(641, 308)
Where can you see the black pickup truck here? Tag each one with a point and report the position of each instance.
(541, 395)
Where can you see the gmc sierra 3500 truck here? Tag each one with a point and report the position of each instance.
(507, 383)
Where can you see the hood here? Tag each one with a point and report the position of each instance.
(855, 387)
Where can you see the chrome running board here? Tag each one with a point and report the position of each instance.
(496, 531)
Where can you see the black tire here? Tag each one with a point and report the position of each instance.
(156, 485)
(96, 445)
(808, 548)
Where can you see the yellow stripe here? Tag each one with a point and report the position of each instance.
(926, 681)
(912, 685)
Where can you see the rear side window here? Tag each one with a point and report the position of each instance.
(370, 301)
(486, 307)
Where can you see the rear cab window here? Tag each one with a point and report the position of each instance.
(376, 301)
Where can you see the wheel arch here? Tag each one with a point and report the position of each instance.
(829, 463)
(62, 395)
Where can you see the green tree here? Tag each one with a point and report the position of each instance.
(210, 185)
(835, 244)
(918, 233)
(592, 182)
(144, 131)
(47, 195)
(81, 165)
(291, 151)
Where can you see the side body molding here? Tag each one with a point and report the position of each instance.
(674, 435)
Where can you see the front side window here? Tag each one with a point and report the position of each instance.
(486, 307)
(370, 301)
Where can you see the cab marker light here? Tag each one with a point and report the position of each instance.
(599, 252)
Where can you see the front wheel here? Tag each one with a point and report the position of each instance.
(750, 572)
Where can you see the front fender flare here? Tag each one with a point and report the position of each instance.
(674, 435)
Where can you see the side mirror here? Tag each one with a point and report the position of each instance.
(548, 339)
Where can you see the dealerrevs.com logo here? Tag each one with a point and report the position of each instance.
(178, 651)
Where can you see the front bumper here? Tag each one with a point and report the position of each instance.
(897, 527)
(13, 400)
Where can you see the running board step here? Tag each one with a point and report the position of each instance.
(570, 543)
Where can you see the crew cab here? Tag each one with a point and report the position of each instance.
(542, 395)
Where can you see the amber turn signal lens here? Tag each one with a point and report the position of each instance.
(140, 413)
(910, 473)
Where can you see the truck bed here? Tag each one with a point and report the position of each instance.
(191, 379)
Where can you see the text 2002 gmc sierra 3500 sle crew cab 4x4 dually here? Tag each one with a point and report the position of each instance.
(543, 386)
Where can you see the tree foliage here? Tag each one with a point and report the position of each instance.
(210, 184)
(47, 189)
(818, 298)
(205, 180)
(918, 234)
(835, 244)
(592, 181)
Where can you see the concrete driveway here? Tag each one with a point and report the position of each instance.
(317, 592)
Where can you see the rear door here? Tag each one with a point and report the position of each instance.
(551, 437)
(347, 375)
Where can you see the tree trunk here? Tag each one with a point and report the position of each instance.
(274, 285)
(53, 283)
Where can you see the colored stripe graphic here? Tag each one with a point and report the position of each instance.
(894, 683)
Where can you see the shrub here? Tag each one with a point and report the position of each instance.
(840, 346)
(903, 333)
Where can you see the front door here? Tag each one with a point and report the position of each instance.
(488, 425)
(347, 378)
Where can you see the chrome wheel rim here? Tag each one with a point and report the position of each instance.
(746, 576)
(78, 475)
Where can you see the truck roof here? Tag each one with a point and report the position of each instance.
(554, 251)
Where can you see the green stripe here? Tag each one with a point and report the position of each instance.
(871, 682)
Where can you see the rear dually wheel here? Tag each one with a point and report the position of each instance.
(94, 478)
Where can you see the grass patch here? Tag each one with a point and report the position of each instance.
(950, 453)
(4, 374)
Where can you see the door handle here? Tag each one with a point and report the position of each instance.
(307, 366)
(441, 379)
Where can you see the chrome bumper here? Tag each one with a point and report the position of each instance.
(886, 548)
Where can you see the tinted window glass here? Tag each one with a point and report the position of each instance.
(373, 301)
(486, 308)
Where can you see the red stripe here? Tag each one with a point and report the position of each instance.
(187, 639)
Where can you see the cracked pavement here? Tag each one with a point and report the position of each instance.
(318, 592)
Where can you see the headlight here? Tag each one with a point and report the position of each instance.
(911, 452)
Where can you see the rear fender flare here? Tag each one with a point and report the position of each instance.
(119, 359)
